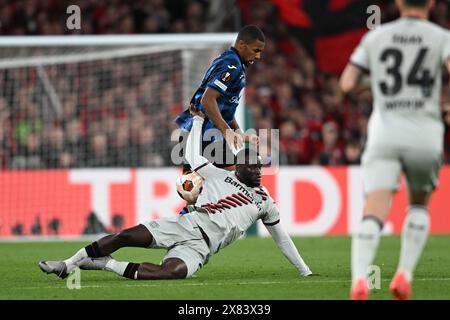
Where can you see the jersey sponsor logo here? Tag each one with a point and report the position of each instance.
(232, 67)
(225, 77)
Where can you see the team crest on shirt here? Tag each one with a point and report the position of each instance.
(225, 77)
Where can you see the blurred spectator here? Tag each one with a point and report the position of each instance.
(446, 110)
(74, 143)
(352, 153)
(66, 160)
(5, 147)
(53, 147)
(124, 150)
(148, 157)
(93, 225)
(120, 16)
(289, 143)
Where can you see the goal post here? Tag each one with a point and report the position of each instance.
(84, 117)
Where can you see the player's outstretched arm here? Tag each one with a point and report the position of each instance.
(284, 242)
(193, 143)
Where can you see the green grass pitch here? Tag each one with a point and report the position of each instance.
(251, 268)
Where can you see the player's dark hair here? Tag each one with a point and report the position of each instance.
(416, 3)
(250, 34)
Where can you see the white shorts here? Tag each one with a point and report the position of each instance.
(382, 168)
(182, 239)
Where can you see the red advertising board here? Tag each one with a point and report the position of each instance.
(312, 200)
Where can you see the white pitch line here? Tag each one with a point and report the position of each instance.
(211, 284)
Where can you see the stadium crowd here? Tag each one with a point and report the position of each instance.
(112, 121)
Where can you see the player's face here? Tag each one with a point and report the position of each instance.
(250, 174)
(252, 51)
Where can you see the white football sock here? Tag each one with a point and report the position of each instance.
(414, 236)
(77, 257)
(116, 266)
(364, 246)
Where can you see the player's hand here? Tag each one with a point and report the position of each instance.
(194, 112)
(252, 138)
(235, 140)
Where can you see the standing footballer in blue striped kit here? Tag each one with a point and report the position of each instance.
(219, 94)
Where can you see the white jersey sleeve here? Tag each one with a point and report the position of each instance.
(193, 144)
(285, 244)
(209, 171)
(271, 220)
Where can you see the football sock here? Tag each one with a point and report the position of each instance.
(364, 245)
(77, 257)
(93, 250)
(414, 236)
(125, 269)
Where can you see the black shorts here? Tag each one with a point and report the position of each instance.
(225, 159)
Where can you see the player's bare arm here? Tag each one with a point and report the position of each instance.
(252, 138)
(209, 102)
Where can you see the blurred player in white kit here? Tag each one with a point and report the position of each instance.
(405, 134)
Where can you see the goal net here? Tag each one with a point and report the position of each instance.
(83, 102)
